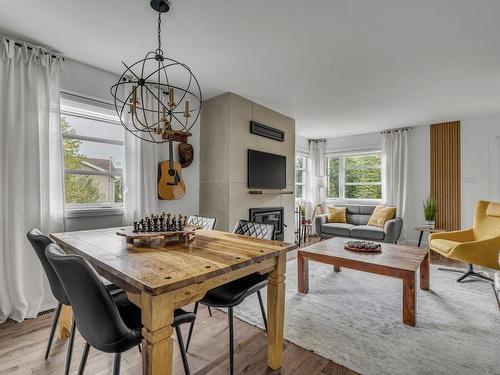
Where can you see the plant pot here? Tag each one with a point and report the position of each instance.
(431, 224)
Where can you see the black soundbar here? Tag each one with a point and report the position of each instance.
(266, 131)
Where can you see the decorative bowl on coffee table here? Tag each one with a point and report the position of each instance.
(363, 246)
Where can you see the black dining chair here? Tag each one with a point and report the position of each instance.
(232, 294)
(39, 242)
(111, 324)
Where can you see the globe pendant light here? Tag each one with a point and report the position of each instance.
(158, 99)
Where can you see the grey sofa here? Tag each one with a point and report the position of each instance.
(357, 226)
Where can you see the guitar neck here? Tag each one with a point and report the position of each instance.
(170, 154)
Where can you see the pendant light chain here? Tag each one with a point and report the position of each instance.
(159, 31)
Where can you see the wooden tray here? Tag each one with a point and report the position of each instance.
(173, 237)
(377, 250)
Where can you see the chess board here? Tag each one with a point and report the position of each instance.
(169, 227)
(181, 236)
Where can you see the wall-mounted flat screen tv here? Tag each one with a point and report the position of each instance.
(266, 171)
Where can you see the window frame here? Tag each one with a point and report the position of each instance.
(342, 184)
(91, 209)
(305, 171)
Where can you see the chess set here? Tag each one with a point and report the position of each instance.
(171, 227)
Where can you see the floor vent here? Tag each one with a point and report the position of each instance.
(46, 312)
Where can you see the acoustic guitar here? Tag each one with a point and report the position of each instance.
(170, 183)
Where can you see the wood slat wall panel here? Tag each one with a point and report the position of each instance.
(445, 173)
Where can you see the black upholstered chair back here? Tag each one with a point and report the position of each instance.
(252, 229)
(40, 241)
(96, 314)
(206, 222)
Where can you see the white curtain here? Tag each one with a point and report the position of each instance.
(31, 173)
(317, 154)
(395, 145)
(141, 171)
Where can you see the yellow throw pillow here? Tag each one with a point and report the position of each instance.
(380, 215)
(337, 215)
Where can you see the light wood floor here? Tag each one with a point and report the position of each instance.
(22, 347)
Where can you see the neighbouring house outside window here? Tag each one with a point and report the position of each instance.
(93, 154)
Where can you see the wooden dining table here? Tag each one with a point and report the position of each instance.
(160, 277)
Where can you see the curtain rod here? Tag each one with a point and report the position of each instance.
(396, 130)
(31, 47)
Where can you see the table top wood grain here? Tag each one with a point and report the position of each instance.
(394, 256)
(157, 268)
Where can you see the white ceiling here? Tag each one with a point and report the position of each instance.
(338, 67)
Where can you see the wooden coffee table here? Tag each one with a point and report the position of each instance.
(397, 261)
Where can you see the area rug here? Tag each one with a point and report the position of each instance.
(354, 319)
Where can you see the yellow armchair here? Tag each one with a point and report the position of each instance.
(479, 245)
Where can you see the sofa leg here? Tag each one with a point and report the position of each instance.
(337, 268)
(468, 273)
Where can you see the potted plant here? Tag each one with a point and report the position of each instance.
(302, 209)
(430, 208)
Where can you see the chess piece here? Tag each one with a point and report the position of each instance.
(136, 227)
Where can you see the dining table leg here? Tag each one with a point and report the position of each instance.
(157, 344)
(276, 313)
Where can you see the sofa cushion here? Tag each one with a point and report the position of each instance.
(368, 232)
(337, 229)
(337, 215)
(380, 215)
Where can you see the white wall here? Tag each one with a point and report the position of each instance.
(479, 162)
(95, 83)
(302, 144)
(354, 142)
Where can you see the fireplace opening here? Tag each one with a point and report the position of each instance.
(270, 215)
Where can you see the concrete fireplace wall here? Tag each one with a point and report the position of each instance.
(224, 140)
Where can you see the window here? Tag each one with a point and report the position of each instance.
(300, 177)
(354, 176)
(93, 154)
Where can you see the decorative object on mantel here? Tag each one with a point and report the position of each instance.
(430, 209)
(363, 246)
(267, 131)
(177, 98)
(166, 226)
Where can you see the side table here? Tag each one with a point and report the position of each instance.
(428, 231)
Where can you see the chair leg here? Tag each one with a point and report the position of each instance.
(182, 349)
(139, 348)
(468, 273)
(53, 329)
(83, 361)
(116, 364)
(231, 340)
(70, 347)
(262, 310)
(191, 326)
(209, 311)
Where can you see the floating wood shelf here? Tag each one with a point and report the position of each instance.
(278, 192)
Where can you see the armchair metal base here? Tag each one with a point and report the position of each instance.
(468, 273)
